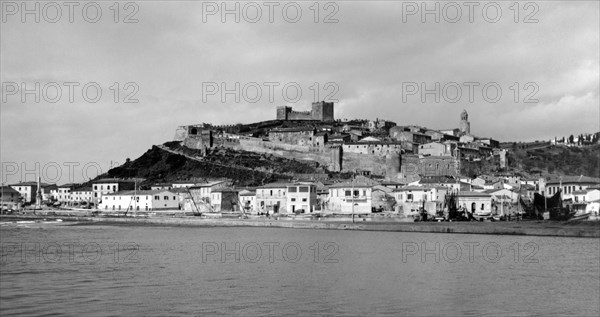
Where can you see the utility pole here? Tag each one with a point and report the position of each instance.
(2, 198)
(352, 195)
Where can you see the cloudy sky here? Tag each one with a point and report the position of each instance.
(376, 58)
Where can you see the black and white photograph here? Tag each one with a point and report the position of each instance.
(300, 158)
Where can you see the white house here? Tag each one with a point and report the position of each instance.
(350, 198)
(82, 196)
(105, 186)
(63, 193)
(301, 196)
(142, 200)
(271, 198)
(474, 202)
(502, 194)
(248, 200)
(28, 190)
(201, 192)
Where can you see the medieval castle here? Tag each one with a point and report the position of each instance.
(321, 111)
(379, 147)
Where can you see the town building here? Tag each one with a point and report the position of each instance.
(373, 146)
(28, 191)
(303, 136)
(301, 198)
(10, 199)
(224, 199)
(248, 200)
(63, 194)
(176, 184)
(106, 186)
(475, 202)
(411, 198)
(569, 184)
(201, 192)
(82, 196)
(437, 149)
(142, 200)
(350, 198)
(271, 198)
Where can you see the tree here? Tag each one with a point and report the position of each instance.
(571, 139)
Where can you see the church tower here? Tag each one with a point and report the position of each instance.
(465, 126)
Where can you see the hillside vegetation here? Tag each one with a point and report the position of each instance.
(244, 168)
(557, 160)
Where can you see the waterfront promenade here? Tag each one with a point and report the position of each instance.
(587, 229)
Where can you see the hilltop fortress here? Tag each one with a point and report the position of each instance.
(380, 148)
(321, 111)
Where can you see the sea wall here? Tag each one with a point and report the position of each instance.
(528, 228)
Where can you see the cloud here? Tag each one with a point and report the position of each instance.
(368, 54)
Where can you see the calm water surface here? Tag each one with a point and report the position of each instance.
(50, 269)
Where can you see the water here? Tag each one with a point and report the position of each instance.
(162, 271)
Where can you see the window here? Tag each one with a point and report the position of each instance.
(356, 193)
(115, 188)
(173, 197)
(95, 187)
(157, 197)
(303, 189)
(166, 197)
(482, 205)
(303, 199)
(292, 189)
(271, 194)
(293, 199)
(348, 193)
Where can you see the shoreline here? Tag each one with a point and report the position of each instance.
(523, 228)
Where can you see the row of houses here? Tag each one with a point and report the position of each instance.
(363, 195)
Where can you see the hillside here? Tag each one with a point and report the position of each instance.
(244, 168)
(557, 160)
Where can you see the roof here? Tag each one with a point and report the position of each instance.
(210, 184)
(350, 185)
(294, 129)
(111, 180)
(139, 192)
(409, 188)
(275, 185)
(224, 190)
(436, 180)
(575, 179)
(8, 189)
(178, 182)
(82, 189)
(472, 194)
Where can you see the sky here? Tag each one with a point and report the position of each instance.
(113, 80)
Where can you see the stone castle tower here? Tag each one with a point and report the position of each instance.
(465, 125)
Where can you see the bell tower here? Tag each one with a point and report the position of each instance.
(465, 125)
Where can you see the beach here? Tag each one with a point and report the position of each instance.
(584, 229)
